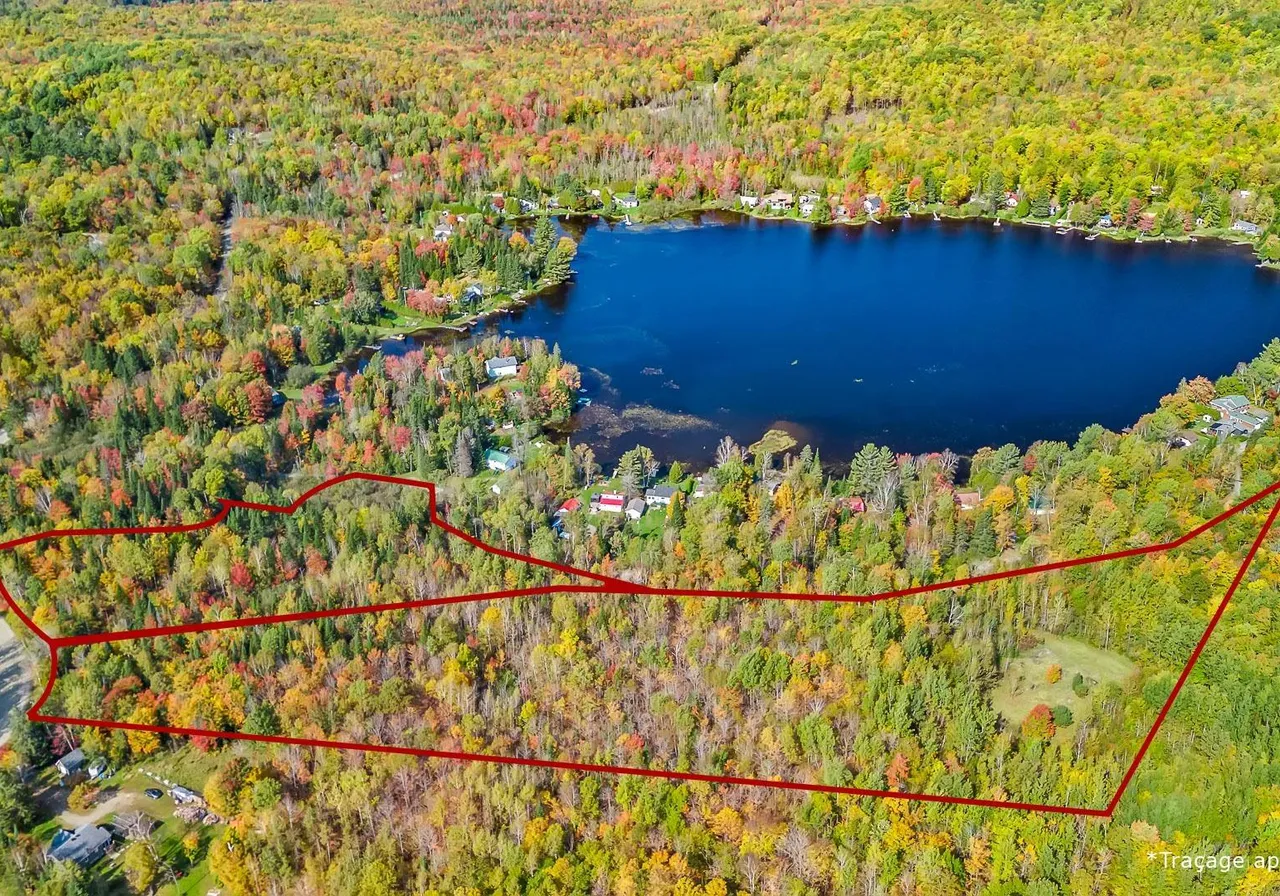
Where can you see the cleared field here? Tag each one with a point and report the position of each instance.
(1026, 680)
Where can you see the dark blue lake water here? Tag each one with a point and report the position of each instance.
(917, 334)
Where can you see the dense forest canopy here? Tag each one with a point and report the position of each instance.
(206, 209)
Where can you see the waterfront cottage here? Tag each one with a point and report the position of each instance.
(1229, 404)
(1248, 228)
(442, 232)
(659, 495)
(968, 500)
(497, 368)
(608, 502)
(748, 201)
(808, 202)
(779, 201)
(635, 508)
(872, 205)
(626, 200)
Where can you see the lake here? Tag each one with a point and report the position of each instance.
(919, 335)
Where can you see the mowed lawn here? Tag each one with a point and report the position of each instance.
(1025, 683)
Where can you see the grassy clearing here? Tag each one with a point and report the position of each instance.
(1025, 683)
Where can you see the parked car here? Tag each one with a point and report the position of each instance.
(153, 793)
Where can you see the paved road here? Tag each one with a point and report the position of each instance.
(15, 677)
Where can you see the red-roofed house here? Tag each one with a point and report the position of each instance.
(609, 503)
(569, 506)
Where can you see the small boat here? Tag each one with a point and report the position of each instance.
(997, 224)
(1062, 230)
(906, 214)
(1092, 236)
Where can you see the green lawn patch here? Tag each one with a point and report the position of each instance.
(1026, 679)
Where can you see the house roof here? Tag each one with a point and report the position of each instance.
(613, 500)
(501, 363)
(570, 506)
(498, 457)
(636, 504)
(1230, 403)
(72, 760)
(660, 491)
(83, 846)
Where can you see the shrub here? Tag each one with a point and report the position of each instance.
(1062, 716)
(1053, 674)
(1038, 725)
(1080, 686)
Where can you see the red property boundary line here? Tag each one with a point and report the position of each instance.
(605, 585)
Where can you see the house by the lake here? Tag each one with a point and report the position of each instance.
(659, 495)
(472, 294)
(779, 201)
(442, 232)
(497, 368)
(968, 500)
(702, 486)
(747, 201)
(1105, 222)
(527, 205)
(83, 846)
(636, 508)
(1248, 228)
(808, 202)
(1229, 404)
(608, 502)
(1238, 417)
(569, 506)
(626, 200)
(499, 461)
(872, 205)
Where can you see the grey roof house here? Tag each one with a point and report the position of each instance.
(659, 494)
(71, 763)
(84, 846)
(500, 367)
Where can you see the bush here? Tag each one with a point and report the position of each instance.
(82, 798)
(1038, 725)
(299, 375)
(1062, 716)
(1080, 686)
(1053, 674)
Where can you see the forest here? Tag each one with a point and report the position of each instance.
(209, 209)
